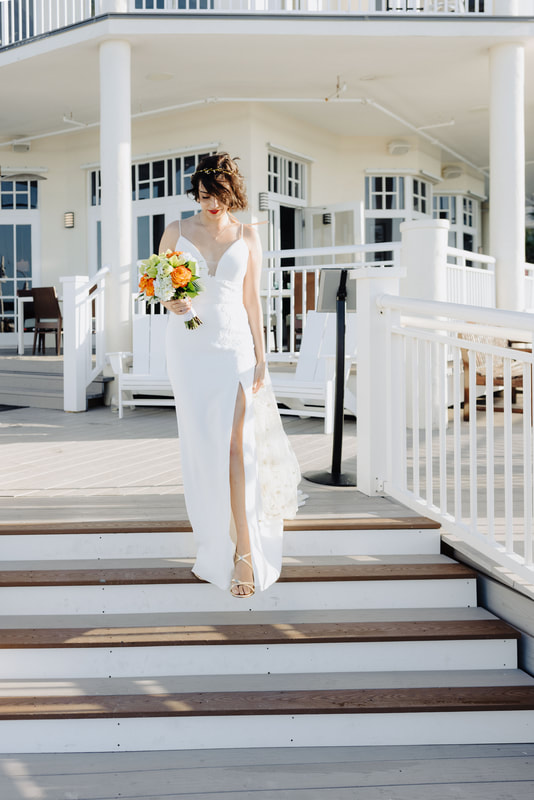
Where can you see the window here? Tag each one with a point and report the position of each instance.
(445, 207)
(469, 213)
(384, 193)
(421, 196)
(18, 195)
(155, 179)
(463, 214)
(286, 176)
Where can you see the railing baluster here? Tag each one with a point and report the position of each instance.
(490, 450)
(443, 419)
(527, 460)
(457, 457)
(473, 481)
(508, 458)
(428, 422)
(414, 379)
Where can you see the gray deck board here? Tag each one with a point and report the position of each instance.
(93, 466)
(477, 772)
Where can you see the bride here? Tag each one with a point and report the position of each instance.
(240, 474)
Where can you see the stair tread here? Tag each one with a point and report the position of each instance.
(236, 617)
(301, 524)
(336, 701)
(187, 561)
(264, 634)
(183, 575)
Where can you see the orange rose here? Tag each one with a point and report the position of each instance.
(180, 277)
(174, 253)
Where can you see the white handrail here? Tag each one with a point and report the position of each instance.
(487, 502)
(84, 343)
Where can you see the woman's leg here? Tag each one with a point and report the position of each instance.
(237, 494)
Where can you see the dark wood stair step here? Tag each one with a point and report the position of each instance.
(337, 701)
(183, 526)
(183, 575)
(285, 633)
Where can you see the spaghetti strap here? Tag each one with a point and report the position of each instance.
(241, 231)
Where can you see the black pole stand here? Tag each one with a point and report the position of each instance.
(335, 477)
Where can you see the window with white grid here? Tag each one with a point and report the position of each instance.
(445, 207)
(384, 193)
(469, 207)
(286, 176)
(151, 180)
(421, 196)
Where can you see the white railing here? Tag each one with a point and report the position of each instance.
(25, 19)
(472, 285)
(290, 291)
(22, 20)
(529, 287)
(475, 477)
(84, 342)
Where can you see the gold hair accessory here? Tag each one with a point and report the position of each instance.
(213, 170)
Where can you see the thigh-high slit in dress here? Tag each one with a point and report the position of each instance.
(207, 366)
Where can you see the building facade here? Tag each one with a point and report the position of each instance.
(348, 120)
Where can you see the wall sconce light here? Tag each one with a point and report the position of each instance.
(263, 201)
(68, 219)
(327, 218)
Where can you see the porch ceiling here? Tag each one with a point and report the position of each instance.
(424, 79)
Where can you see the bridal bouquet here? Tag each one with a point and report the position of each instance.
(170, 276)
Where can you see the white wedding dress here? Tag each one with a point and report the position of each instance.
(206, 366)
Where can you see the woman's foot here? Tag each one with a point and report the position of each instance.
(243, 580)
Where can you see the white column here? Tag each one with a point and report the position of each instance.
(373, 388)
(507, 173)
(115, 163)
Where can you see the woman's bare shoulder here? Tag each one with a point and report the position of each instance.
(250, 233)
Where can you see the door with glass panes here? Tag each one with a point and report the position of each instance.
(19, 252)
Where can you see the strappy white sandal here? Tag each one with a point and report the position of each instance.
(235, 583)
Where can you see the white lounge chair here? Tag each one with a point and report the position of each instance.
(309, 390)
(143, 372)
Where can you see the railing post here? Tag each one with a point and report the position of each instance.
(424, 257)
(372, 381)
(75, 342)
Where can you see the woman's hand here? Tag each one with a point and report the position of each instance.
(178, 307)
(259, 376)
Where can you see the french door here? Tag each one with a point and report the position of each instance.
(19, 249)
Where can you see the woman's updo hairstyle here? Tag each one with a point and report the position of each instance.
(220, 177)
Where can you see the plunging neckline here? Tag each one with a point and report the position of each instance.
(211, 274)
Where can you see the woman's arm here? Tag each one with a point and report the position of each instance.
(252, 302)
(168, 242)
(170, 237)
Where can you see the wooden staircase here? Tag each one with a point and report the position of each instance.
(371, 636)
(37, 382)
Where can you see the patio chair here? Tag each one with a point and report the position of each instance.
(141, 375)
(309, 391)
(498, 371)
(48, 317)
